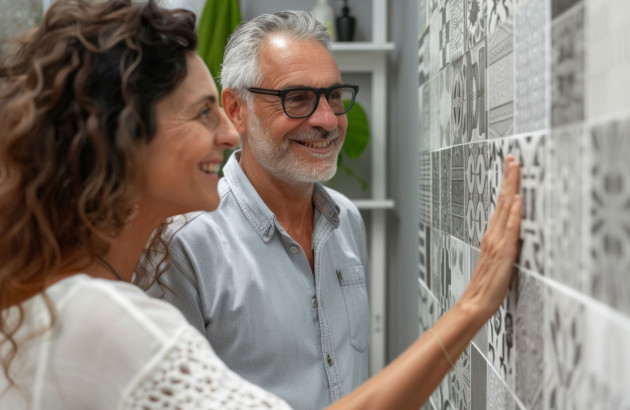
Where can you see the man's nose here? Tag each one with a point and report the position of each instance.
(323, 116)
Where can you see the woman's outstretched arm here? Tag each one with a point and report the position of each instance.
(408, 381)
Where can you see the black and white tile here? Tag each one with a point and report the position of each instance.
(445, 191)
(498, 395)
(459, 271)
(457, 28)
(477, 191)
(440, 39)
(501, 352)
(529, 151)
(499, 12)
(430, 309)
(435, 281)
(607, 59)
(424, 251)
(560, 6)
(424, 56)
(609, 225)
(458, 101)
(564, 348)
(475, 22)
(435, 189)
(441, 109)
(530, 66)
(458, 193)
(565, 250)
(424, 179)
(501, 81)
(606, 364)
(458, 381)
(476, 115)
(528, 339)
(479, 376)
(567, 67)
(424, 94)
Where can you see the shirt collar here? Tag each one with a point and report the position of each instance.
(256, 211)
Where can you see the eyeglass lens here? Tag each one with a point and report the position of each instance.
(300, 103)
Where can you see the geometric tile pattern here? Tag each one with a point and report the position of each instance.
(477, 192)
(609, 227)
(545, 81)
(498, 395)
(424, 179)
(475, 22)
(457, 27)
(529, 152)
(564, 253)
(475, 76)
(458, 193)
(567, 68)
(499, 11)
(564, 345)
(445, 191)
(458, 101)
(501, 88)
(500, 330)
(530, 62)
(528, 338)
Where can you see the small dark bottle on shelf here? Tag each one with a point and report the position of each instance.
(345, 24)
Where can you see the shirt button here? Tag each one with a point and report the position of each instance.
(329, 360)
(293, 249)
(314, 302)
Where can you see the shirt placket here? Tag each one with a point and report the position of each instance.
(321, 233)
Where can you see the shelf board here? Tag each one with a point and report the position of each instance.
(374, 203)
(361, 46)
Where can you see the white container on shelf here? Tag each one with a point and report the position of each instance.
(325, 14)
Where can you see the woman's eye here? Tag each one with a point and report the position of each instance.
(209, 117)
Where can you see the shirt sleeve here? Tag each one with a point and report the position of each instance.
(188, 375)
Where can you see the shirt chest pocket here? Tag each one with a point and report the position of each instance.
(355, 296)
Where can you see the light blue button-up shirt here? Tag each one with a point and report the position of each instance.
(247, 285)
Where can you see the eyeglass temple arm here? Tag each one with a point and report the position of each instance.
(263, 91)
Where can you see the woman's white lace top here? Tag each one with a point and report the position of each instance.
(113, 347)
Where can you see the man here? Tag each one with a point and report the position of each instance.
(276, 277)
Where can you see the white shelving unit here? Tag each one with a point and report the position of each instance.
(371, 58)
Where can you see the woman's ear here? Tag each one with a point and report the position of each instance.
(235, 108)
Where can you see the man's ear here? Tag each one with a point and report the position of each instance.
(235, 108)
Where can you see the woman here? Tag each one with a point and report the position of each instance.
(109, 124)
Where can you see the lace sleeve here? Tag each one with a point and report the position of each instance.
(191, 376)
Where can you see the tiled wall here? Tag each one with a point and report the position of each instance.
(548, 81)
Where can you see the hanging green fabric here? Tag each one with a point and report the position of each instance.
(218, 20)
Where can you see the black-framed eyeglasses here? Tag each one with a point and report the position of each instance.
(301, 102)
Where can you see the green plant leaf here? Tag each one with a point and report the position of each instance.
(358, 132)
(218, 20)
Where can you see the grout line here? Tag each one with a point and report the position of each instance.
(587, 300)
(508, 388)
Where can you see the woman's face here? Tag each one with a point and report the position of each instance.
(182, 160)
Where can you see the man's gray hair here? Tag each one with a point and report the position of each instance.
(241, 68)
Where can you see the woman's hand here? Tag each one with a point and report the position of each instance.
(499, 248)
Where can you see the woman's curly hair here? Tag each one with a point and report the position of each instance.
(77, 98)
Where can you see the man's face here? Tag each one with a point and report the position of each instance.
(295, 150)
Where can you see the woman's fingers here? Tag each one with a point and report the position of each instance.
(499, 246)
(509, 188)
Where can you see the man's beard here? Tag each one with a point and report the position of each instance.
(284, 163)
